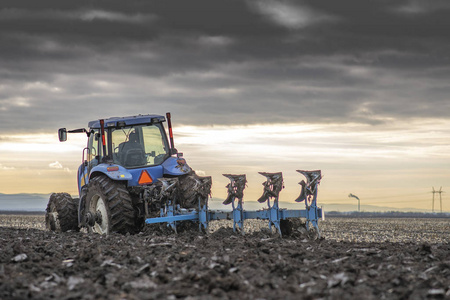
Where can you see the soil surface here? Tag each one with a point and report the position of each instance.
(156, 264)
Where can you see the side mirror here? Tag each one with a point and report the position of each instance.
(62, 134)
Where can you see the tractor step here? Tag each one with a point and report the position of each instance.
(172, 213)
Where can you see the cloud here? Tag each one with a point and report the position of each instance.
(215, 41)
(55, 165)
(230, 62)
(200, 172)
(58, 165)
(417, 7)
(289, 15)
(86, 15)
(92, 15)
(7, 103)
(5, 168)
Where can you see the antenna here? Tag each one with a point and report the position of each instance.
(440, 198)
(356, 197)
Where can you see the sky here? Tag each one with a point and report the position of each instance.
(357, 89)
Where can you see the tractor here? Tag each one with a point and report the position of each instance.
(132, 175)
(122, 177)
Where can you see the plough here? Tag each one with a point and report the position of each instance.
(171, 213)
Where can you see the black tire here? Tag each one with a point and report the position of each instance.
(189, 187)
(188, 194)
(294, 227)
(62, 213)
(110, 207)
(286, 227)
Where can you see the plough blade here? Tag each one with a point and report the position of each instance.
(309, 195)
(236, 191)
(235, 187)
(309, 187)
(272, 186)
(273, 213)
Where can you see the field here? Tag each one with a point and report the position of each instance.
(356, 259)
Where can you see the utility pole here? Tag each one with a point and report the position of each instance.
(356, 197)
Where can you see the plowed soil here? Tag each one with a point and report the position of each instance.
(39, 264)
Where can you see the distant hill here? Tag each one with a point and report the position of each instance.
(38, 202)
(216, 203)
(369, 208)
(23, 202)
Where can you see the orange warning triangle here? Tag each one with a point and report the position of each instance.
(145, 178)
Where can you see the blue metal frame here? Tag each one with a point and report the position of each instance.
(203, 215)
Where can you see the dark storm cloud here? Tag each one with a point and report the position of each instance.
(228, 62)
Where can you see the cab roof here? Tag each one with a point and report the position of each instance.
(126, 121)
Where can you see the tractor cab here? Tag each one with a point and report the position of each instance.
(129, 149)
(129, 145)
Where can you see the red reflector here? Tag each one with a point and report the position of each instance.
(145, 178)
(111, 169)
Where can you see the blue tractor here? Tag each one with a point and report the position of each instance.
(126, 167)
(132, 175)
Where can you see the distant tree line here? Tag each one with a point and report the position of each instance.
(21, 212)
(388, 214)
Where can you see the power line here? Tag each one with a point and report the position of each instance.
(377, 203)
(395, 196)
(413, 201)
(380, 199)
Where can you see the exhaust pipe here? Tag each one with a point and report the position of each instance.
(169, 124)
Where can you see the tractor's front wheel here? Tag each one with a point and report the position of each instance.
(62, 213)
(109, 207)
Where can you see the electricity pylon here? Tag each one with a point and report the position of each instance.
(440, 198)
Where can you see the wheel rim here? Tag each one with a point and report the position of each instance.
(98, 208)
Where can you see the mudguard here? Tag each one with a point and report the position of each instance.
(176, 166)
(115, 172)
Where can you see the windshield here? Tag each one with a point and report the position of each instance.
(139, 145)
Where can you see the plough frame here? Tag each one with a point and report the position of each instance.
(171, 213)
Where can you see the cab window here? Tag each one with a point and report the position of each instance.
(138, 146)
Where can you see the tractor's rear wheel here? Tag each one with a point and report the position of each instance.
(62, 213)
(109, 207)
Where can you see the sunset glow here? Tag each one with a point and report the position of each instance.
(391, 168)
